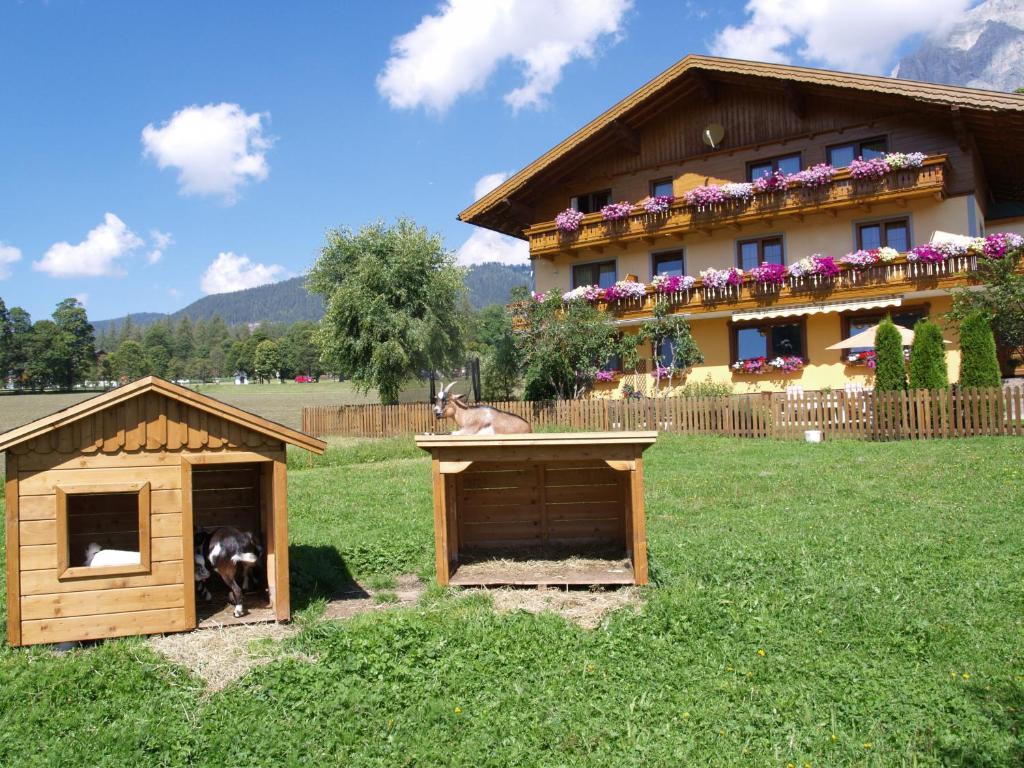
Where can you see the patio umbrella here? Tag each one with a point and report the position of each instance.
(866, 338)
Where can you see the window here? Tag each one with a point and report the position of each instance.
(768, 340)
(765, 250)
(667, 263)
(841, 155)
(785, 163)
(661, 187)
(93, 518)
(889, 234)
(854, 324)
(591, 202)
(612, 364)
(599, 273)
(664, 354)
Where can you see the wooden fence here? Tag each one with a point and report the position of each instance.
(916, 415)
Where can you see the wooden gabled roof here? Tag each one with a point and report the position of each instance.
(978, 111)
(163, 387)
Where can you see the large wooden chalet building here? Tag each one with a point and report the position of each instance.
(706, 122)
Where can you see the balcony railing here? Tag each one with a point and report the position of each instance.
(843, 192)
(880, 279)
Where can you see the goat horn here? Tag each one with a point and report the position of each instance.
(445, 390)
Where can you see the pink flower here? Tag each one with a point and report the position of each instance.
(616, 211)
(568, 220)
(769, 274)
(875, 168)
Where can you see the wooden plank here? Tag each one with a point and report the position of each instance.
(639, 521)
(238, 476)
(499, 576)
(512, 513)
(602, 510)
(585, 493)
(501, 534)
(33, 557)
(104, 601)
(43, 483)
(37, 508)
(34, 463)
(577, 477)
(488, 497)
(133, 440)
(441, 552)
(508, 478)
(167, 549)
(96, 628)
(588, 530)
(12, 551)
(166, 524)
(187, 546)
(282, 602)
(45, 581)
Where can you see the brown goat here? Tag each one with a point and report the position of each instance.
(477, 419)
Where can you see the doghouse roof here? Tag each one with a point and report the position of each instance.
(165, 388)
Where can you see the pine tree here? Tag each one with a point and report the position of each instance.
(979, 365)
(890, 373)
(928, 357)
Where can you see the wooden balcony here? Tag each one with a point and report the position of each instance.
(881, 280)
(843, 192)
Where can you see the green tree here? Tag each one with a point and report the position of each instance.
(501, 359)
(675, 351)
(184, 340)
(266, 360)
(47, 355)
(130, 360)
(78, 342)
(1001, 302)
(563, 347)
(6, 343)
(979, 365)
(299, 353)
(928, 357)
(890, 369)
(21, 336)
(158, 344)
(394, 300)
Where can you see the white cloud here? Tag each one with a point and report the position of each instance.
(160, 241)
(81, 298)
(457, 50)
(96, 256)
(231, 272)
(488, 182)
(860, 37)
(485, 245)
(216, 148)
(8, 255)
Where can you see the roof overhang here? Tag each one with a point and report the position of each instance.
(211, 405)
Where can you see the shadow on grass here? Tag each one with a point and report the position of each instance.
(320, 573)
(1003, 706)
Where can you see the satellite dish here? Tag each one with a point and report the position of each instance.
(713, 135)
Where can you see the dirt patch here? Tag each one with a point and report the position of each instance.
(585, 607)
(222, 654)
(544, 567)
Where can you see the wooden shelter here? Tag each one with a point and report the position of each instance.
(502, 497)
(138, 468)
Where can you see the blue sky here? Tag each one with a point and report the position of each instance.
(270, 123)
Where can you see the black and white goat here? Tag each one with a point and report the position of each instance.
(227, 550)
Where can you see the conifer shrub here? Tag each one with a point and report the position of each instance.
(928, 357)
(979, 366)
(890, 373)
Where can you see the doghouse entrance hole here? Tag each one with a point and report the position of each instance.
(110, 520)
(543, 523)
(233, 495)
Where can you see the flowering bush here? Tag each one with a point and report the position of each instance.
(616, 211)
(584, 292)
(743, 191)
(672, 283)
(769, 274)
(625, 289)
(702, 196)
(720, 278)
(657, 203)
(886, 254)
(999, 244)
(867, 357)
(751, 365)
(605, 375)
(816, 176)
(787, 363)
(859, 259)
(926, 254)
(776, 182)
(538, 297)
(568, 220)
(898, 160)
(665, 372)
(875, 168)
(825, 266)
(783, 363)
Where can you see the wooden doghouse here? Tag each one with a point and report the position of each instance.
(137, 468)
(502, 497)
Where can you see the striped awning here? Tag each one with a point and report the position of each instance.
(797, 310)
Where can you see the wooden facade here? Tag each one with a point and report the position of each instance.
(496, 494)
(140, 467)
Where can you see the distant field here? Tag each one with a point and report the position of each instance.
(280, 402)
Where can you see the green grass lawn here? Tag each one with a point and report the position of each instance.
(843, 604)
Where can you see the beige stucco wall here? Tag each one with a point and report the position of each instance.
(816, 234)
(1006, 225)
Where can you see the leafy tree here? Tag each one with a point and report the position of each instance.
(299, 353)
(675, 351)
(563, 347)
(21, 334)
(158, 344)
(1001, 302)
(979, 365)
(78, 342)
(501, 360)
(130, 360)
(184, 340)
(928, 357)
(48, 352)
(266, 360)
(6, 342)
(394, 298)
(890, 371)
